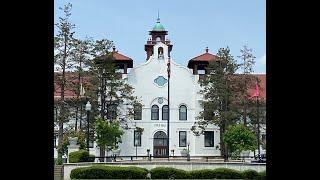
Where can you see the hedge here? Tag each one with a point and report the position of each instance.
(109, 172)
(262, 175)
(115, 172)
(168, 173)
(81, 156)
(202, 174)
(219, 173)
(225, 173)
(250, 174)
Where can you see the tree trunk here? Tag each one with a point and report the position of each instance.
(245, 114)
(222, 144)
(102, 96)
(80, 119)
(76, 125)
(60, 132)
(244, 101)
(62, 111)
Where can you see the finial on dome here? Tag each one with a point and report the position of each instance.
(158, 19)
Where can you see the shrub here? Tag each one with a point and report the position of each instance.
(109, 172)
(262, 175)
(224, 173)
(80, 156)
(202, 174)
(219, 173)
(250, 174)
(168, 173)
(57, 161)
(91, 158)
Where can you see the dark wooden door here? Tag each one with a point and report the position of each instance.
(160, 144)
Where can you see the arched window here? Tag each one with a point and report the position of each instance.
(183, 112)
(158, 39)
(160, 52)
(154, 112)
(165, 112)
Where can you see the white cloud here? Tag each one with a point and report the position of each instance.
(262, 60)
(260, 65)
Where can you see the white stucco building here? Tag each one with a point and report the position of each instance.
(150, 82)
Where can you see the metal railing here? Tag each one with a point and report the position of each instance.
(115, 158)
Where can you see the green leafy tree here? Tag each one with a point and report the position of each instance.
(108, 133)
(239, 138)
(62, 47)
(218, 90)
(245, 81)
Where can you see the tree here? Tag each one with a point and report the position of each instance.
(113, 92)
(114, 95)
(63, 146)
(245, 81)
(62, 47)
(257, 116)
(239, 138)
(108, 133)
(80, 56)
(218, 89)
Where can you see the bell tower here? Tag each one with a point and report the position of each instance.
(158, 34)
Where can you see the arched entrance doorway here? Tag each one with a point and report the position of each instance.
(160, 144)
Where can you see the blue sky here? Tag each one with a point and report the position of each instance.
(192, 25)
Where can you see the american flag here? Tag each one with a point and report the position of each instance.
(257, 91)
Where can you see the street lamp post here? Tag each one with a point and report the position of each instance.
(172, 152)
(88, 109)
(149, 155)
(188, 155)
(136, 143)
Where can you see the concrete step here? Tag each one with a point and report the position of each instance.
(58, 172)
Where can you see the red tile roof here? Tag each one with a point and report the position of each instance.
(71, 78)
(205, 57)
(119, 57)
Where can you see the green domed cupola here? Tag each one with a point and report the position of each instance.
(158, 34)
(158, 26)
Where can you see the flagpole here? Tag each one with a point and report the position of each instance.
(168, 129)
